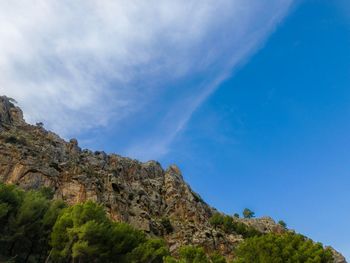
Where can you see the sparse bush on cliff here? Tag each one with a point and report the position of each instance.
(35, 228)
(282, 223)
(229, 225)
(247, 213)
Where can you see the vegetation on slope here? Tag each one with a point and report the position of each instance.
(286, 248)
(35, 228)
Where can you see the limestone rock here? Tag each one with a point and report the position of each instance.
(142, 194)
(9, 113)
(264, 225)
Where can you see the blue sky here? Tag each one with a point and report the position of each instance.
(251, 100)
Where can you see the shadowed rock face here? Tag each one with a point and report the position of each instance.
(141, 194)
(9, 113)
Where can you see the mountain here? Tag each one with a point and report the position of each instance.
(144, 195)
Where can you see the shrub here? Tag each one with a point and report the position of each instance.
(217, 258)
(229, 225)
(153, 250)
(289, 247)
(216, 220)
(191, 254)
(282, 223)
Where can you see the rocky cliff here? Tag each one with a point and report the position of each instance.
(142, 194)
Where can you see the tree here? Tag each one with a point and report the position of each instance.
(191, 254)
(229, 225)
(79, 233)
(28, 227)
(170, 259)
(83, 232)
(216, 220)
(217, 258)
(282, 223)
(10, 202)
(39, 124)
(236, 215)
(288, 247)
(152, 251)
(26, 219)
(247, 213)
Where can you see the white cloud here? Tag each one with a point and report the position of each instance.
(77, 65)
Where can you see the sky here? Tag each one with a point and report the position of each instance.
(249, 98)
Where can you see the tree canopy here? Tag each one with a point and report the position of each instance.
(36, 228)
(285, 248)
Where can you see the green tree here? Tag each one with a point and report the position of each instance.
(170, 259)
(28, 227)
(217, 258)
(282, 223)
(230, 225)
(78, 233)
(247, 213)
(191, 254)
(27, 219)
(83, 232)
(152, 251)
(288, 247)
(217, 220)
(10, 202)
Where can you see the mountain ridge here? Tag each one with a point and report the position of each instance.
(144, 195)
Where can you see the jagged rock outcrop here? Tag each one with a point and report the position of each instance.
(9, 113)
(142, 194)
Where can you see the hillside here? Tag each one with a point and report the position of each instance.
(141, 194)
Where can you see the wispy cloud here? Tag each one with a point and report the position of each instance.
(78, 65)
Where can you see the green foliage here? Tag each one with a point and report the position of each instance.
(35, 228)
(229, 225)
(26, 219)
(153, 250)
(286, 248)
(217, 220)
(282, 223)
(47, 192)
(247, 213)
(84, 233)
(10, 200)
(236, 215)
(190, 254)
(217, 258)
(170, 259)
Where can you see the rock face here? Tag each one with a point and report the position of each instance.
(142, 194)
(9, 113)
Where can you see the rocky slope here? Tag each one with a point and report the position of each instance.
(142, 194)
